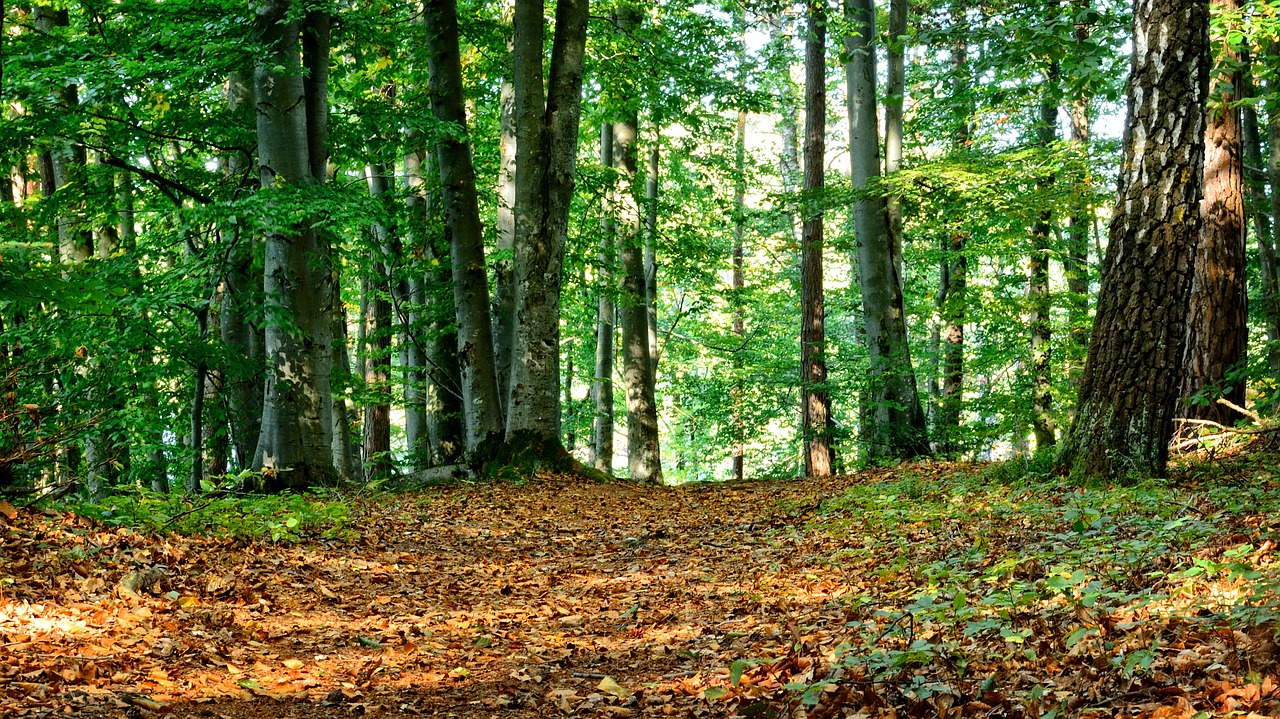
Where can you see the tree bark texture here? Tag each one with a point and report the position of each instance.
(481, 410)
(895, 421)
(294, 447)
(1217, 329)
(815, 401)
(1133, 375)
(546, 156)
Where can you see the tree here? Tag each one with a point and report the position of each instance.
(481, 410)
(1217, 329)
(296, 436)
(894, 421)
(546, 120)
(602, 383)
(815, 403)
(1132, 378)
(1038, 279)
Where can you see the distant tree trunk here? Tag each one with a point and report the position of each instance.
(546, 154)
(814, 399)
(1038, 281)
(644, 456)
(651, 257)
(1132, 379)
(948, 342)
(483, 414)
(602, 387)
(1217, 328)
(442, 386)
(410, 312)
(1255, 181)
(504, 280)
(737, 303)
(377, 422)
(294, 448)
(896, 423)
(893, 102)
(1079, 223)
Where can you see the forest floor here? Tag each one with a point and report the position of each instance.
(925, 590)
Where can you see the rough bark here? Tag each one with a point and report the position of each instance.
(1217, 328)
(1132, 378)
(602, 386)
(895, 426)
(294, 447)
(1041, 304)
(814, 399)
(546, 154)
(481, 410)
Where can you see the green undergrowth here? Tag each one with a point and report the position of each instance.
(283, 518)
(961, 572)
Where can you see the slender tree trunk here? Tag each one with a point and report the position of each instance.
(483, 414)
(651, 257)
(409, 315)
(294, 448)
(1217, 328)
(602, 388)
(895, 422)
(1076, 265)
(1255, 181)
(738, 301)
(504, 279)
(1133, 376)
(644, 456)
(1038, 282)
(377, 423)
(893, 103)
(546, 154)
(815, 401)
(948, 343)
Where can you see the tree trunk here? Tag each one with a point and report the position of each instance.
(736, 294)
(294, 448)
(651, 256)
(952, 278)
(410, 312)
(504, 279)
(896, 424)
(1255, 181)
(1038, 281)
(644, 456)
(546, 154)
(1076, 265)
(1217, 326)
(377, 423)
(893, 102)
(1132, 379)
(602, 387)
(814, 400)
(482, 413)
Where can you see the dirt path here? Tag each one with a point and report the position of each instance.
(552, 598)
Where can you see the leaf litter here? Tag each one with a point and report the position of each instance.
(926, 590)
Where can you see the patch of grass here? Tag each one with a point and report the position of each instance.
(278, 518)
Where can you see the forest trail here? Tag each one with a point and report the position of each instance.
(554, 597)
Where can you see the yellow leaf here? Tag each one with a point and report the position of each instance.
(609, 685)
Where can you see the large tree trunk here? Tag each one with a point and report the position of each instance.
(602, 386)
(294, 448)
(1255, 182)
(377, 422)
(1038, 281)
(1217, 328)
(895, 424)
(1133, 376)
(814, 400)
(546, 155)
(482, 412)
